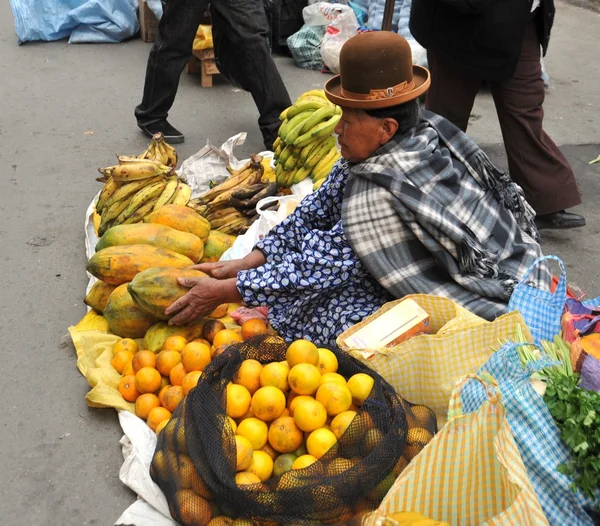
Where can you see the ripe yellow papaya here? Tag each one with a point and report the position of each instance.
(118, 265)
(155, 289)
(181, 218)
(217, 243)
(97, 297)
(157, 334)
(124, 317)
(159, 236)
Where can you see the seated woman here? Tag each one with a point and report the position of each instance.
(414, 206)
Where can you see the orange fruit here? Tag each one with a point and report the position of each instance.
(192, 508)
(238, 400)
(177, 374)
(337, 465)
(243, 451)
(227, 337)
(245, 477)
(232, 424)
(286, 412)
(166, 360)
(304, 379)
(336, 398)
(202, 340)
(156, 416)
(255, 431)
(195, 356)
(294, 403)
(145, 403)
(161, 426)
(310, 415)
(268, 403)
(328, 362)
(268, 449)
(371, 440)
(162, 392)
(276, 375)
(174, 343)
(121, 359)
(284, 435)
(303, 461)
(320, 441)
(302, 351)
(253, 327)
(245, 415)
(172, 397)
(333, 377)
(248, 375)
(190, 380)
(148, 380)
(360, 386)
(128, 370)
(126, 344)
(261, 466)
(283, 463)
(143, 359)
(341, 422)
(127, 388)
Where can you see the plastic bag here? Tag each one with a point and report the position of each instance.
(197, 450)
(83, 21)
(338, 32)
(305, 46)
(323, 13)
(204, 39)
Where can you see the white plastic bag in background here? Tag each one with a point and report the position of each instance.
(268, 219)
(323, 13)
(338, 32)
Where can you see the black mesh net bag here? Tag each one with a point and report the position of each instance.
(195, 459)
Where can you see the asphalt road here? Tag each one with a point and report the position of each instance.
(65, 111)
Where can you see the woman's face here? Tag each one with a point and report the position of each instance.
(360, 135)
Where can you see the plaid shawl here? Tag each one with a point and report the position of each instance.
(429, 213)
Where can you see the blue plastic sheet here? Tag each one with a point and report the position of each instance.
(92, 21)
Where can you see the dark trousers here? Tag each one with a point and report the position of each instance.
(241, 27)
(534, 161)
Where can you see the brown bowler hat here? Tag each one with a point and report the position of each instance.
(376, 71)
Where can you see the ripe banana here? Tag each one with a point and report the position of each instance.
(317, 184)
(253, 178)
(199, 208)
(143, 196)
(248, 191)
(237, 178)
(141, 212)
(225, 220)
(167, 193)
(127, 159)
(301, 173)
(182, 194)
(110, 187)
(276, 143)
(283, 115)
(290, 163)
(110, 214)
(126, 173)
(309, 148)
(320, 152)
(285, 154)
(218, 214)
(235, 227)
(326, 127)
(314, 93)
(306, 103)
(318, 170)
(129, 189)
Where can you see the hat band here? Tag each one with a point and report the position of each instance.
(377, 94)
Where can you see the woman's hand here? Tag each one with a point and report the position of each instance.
(230, 269)
(204, 296)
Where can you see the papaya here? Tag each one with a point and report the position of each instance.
(155, 289)
(159, 236)
(181, 218)
(217, 244)
(124, 317)
(97, 297)
(157, 334)
(118, 265)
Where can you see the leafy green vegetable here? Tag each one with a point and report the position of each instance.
(575, 412)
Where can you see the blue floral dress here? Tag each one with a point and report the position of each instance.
(313, 282)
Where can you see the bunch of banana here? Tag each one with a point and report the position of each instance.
(216, 206)
(134, 188)
(306, 146)
(160, 150)
(244, 200)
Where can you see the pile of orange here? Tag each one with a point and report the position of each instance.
(158, 382)
(288, 414)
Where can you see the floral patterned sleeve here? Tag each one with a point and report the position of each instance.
(320, 210)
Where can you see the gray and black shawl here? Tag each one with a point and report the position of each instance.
(429, 213)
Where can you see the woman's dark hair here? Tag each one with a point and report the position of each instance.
(407, 115)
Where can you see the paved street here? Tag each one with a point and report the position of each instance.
(67, 110)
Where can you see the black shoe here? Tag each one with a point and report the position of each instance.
(559, 220)
(172, 135)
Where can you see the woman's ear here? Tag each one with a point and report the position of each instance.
(389, 127)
